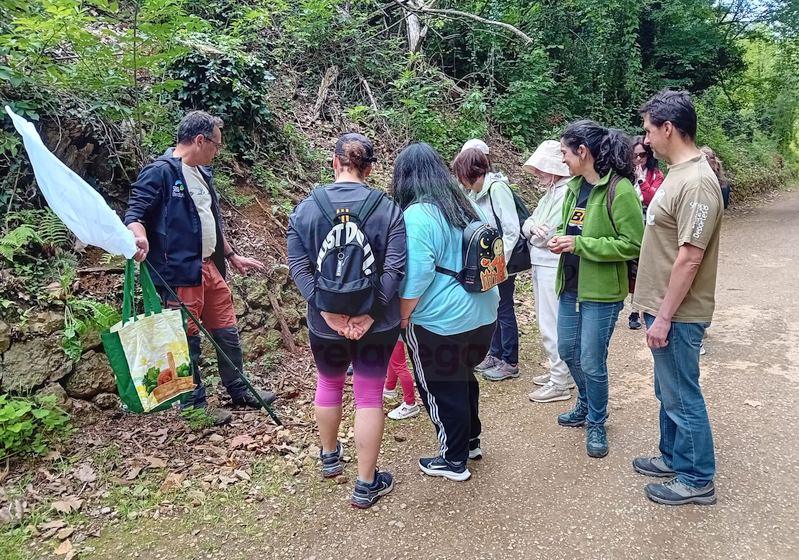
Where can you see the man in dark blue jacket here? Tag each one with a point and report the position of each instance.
(174, 214)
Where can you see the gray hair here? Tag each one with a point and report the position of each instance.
(196, 123)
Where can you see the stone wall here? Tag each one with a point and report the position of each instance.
(32, 360)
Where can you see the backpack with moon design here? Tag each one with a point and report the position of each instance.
(483, 259)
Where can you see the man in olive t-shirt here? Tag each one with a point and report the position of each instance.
(676, 291)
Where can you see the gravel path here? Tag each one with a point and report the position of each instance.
(536, 494)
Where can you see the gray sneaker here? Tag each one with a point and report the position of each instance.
(652, 466)
(489, 363)
(503, 371)
(550, 393)
(676, 493)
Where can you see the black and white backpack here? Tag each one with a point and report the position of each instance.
(346, 272)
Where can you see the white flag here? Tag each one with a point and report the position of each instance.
(80, 207)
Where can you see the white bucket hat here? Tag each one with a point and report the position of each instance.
(548, 158)
(477, 144)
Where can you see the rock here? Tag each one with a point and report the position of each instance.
(30, 364)
(5, 337)
(302, 337)
(105, 510)
(45, 323)
(91, 340)
(254, 345)
(85, 413)
(270, 320)
(280, 274)
(253, 320)
(292, 317)
(291, 296)
(256, 292)
(62, 400)
(239, 305)
(107, 401)
(274, 339)
(92, 375)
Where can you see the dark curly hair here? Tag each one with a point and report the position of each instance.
(611, 148)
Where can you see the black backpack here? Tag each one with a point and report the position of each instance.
(520, 258)
(346, 271)
(632, 265)
(483, 259)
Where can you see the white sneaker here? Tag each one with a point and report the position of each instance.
(702, 350)
(404, 411)
(390, 395)
(541, 379)
(476, 454)
(550, 393)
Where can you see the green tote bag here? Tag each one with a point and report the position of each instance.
(149, 353)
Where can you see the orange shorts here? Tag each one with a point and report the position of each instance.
(211, 302)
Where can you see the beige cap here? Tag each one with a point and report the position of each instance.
(548, 158)
(477, 144)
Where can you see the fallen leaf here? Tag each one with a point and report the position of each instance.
(85, 473)
(398, 438)
(155, 462)
(753, 404)
(63, 548)
(52, 456)
(71, 554)
(241, 441)
(34, 532)
(172, 481)
(242, 475)
(54, 524)
(133, 473)
(67, 505)
(65, 533)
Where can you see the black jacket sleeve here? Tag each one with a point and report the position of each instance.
(396, 255)
(300, 265)
(144, 193)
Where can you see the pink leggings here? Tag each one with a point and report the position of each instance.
(398, 368)
(370, 357)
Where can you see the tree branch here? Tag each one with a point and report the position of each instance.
(457, 13)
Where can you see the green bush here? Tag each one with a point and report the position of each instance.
(31, 426)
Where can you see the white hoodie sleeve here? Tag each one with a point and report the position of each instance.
(549, 211)
(505, 210)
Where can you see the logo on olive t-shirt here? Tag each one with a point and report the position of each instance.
(686, 209)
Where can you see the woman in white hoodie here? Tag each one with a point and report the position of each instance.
(491, 192)
(546, 164)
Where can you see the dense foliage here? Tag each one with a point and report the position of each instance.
(108, 81)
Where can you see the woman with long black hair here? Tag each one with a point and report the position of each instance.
(596, 239)
(447, 329)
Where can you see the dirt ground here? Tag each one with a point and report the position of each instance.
(536, 494)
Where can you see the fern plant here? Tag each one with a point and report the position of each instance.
(52, 230)
(12, 243)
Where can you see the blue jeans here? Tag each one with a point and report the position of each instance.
(583, 338)
(686, 442)
(505, 343)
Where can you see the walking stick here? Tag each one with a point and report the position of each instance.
(218, 348)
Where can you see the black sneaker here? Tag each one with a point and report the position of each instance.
(249, 399)
(575, 417)
(635, 321)
(366, 495)
(475, 453)
(438, 466)
(331, 462)
(676, 493)
(652, 466)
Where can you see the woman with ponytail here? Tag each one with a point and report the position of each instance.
(596, 239)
